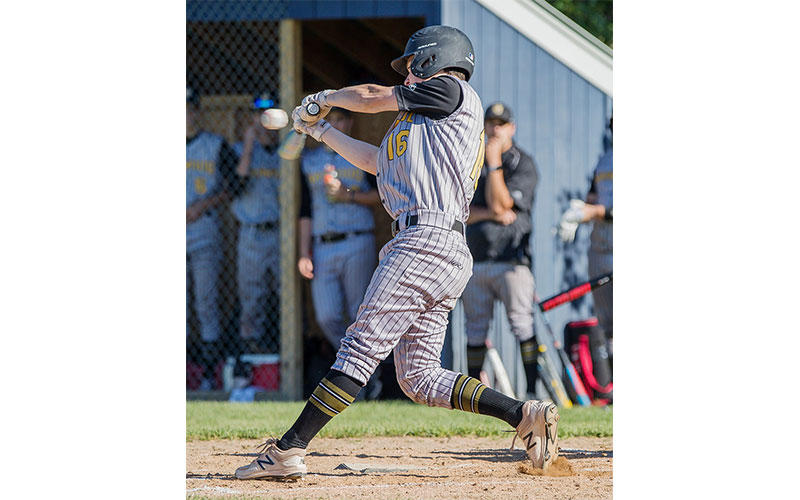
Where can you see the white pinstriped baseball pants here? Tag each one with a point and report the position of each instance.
(421, 274)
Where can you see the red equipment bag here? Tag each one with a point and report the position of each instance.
(588, 351)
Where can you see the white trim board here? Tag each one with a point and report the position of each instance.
(571, 45)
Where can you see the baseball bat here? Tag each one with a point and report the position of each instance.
(552, 382)
(500, 373)
(294, 142)
(572, 378)
(574, 292)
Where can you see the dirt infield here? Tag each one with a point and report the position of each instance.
(437, 468)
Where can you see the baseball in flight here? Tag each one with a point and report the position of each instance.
(274, 119)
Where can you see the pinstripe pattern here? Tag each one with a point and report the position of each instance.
(342, 271)
(421, 274)
(433, 172)
(424, 168)
(332, 217)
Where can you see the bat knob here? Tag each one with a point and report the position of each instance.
(312, 108)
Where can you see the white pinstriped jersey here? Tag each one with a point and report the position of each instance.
(433, 165)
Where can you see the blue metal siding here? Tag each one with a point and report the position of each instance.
(229, 10)
(561, 121)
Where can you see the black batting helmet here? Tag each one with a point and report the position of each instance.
(436, 48)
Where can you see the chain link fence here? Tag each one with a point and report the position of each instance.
(232, 206)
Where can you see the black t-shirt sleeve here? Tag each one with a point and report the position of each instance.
(305, 197)
(521, 183)
(227, 161)
(437, 98)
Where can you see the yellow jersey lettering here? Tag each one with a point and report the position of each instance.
(401, 142)
(476, 168)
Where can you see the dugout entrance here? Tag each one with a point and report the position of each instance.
(228, 60)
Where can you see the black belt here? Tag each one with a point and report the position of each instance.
(331, 237)
(412, 220)
(265, 226)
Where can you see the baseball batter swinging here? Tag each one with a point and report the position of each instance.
(426, 168)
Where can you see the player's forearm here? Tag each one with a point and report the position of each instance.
(478, 214)
(361, 154)
(243, 168)
(304, 238)
(593, 212)
(366, 98)
(498, 199)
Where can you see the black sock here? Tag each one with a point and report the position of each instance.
(332, 396)
(210, 356)
(471, 395)
(530, 351)
(475, 355)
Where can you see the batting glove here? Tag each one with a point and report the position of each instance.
(315, 130)
(571, 220)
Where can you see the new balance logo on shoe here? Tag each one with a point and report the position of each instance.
(528, 438)
(266, 460)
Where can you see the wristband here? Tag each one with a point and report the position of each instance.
(494, 169)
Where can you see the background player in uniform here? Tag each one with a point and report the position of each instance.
(427, 167)
(337, 216)
(598, 209)
(258, 248)
(498, 235)
(209, 180)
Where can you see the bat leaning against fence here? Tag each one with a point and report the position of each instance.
(573, 293)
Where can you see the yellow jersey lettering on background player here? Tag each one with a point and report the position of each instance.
(200, 185)
(476, 169)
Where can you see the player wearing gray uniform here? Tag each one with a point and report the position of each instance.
(598, 209)
(209, 180)
(258, 246)
(427, 167)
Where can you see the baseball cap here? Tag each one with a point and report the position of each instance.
(192, 97)
(499, 111)
(264, 100)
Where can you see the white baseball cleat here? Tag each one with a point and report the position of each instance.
(538, 430)
(275, 464)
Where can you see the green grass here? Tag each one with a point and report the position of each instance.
(221, 420)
